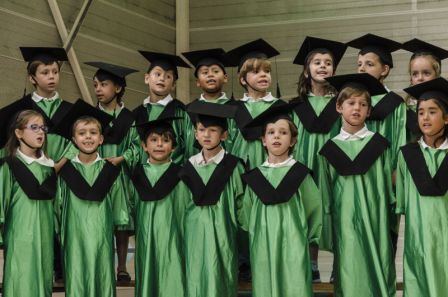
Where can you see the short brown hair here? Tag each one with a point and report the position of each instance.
(351, 91)
(86, 120)
(32, 66)
(253, 64)
(292, 128)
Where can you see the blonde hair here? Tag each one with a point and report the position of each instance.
(351, 91)
(253, 64)
(86, 120)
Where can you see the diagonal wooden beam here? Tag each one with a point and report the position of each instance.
(78, 22)
(74, 63)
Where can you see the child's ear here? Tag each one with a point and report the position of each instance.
(385, 72)
(101, 139)
(118, 89)
(18, 133)
(146, 80)
(368, 111)
(226, 78)
(243, 81)
(173, 86)
(263, 140)
(339, 108)
(197, 83)
(293, 142)
(224, 135)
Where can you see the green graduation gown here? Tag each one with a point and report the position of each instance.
(86, 226)
(282, 215)
(27, 229)
(317, 122)
(359, 181)
(211, 225)
(159, 213)
(425, 206)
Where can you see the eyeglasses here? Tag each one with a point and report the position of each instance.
(35, 128)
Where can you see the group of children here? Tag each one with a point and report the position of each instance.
(212, 186)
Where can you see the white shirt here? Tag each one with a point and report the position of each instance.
(42, 160)
(267, 98)
(37, 98)
(223, 96)
(361, 134)
(443, 146)
(77, 160)
(198, 159)
(120, 106)
(163, 102)
(288, 162)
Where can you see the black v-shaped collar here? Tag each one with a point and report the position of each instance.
(120, 126)
(243, 117)
(317, 124)
(285, 190)
(141, 112)
(79, 186)
(426, 185)
(165, 185)
(28, 182)
(363, 161)
(385, 106)
(209, 194)
(58, 116)
(412, 122)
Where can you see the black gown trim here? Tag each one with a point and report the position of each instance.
(317, 124)
(385, 106)
(120, 127)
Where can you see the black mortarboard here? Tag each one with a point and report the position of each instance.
(44, 54)
(357, 80)
(207, 57)
(110, 71)
(8, 115)
(419, 46)
(313, 44)
(272, 114)
(165, 61)
(80, 109)
(211, 114)
(381, 46)
(255, 49)
(158, 126)
(432, 89)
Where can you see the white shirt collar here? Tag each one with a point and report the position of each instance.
(119, 107)
(152, 164)
(163, 102)
(443, 146)
(267, 98)
(361, 134)
(223, 96)
(288, 162)
(198, 159)
(42, 160)
(77, 160)
(37, 98)
(310, 94)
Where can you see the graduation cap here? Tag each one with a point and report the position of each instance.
(8, 115)
(207, 57)
(381, 46)
(272, 115)
(44, 54)
(419, 46)
(259, 49)
(362, 81)
(432, 89)
(158, 126)
(110, 71)
(80, 109)
(312, 44)
(210, 114)
(165, 61)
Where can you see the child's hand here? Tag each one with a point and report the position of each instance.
(58, 165)
(115, 160)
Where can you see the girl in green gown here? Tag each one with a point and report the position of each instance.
(358, 180)
(422, 195)
(282, 212)
(28, 186)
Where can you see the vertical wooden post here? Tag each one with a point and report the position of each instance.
(183, 45)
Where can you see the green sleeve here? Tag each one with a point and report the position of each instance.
(132, 154)
(400, 133)
(189, 137)
(244, 215)
(7, 181)
(400, 185)
(70, 151)
(312, 203)
(120, 205)
(388, 171)
(238, 189)
(61, 194)
(325, 184)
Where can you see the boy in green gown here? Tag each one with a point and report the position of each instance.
(214, 193)
(358, 178)
(282, 212)
(422, 195)
(28, 186)
(159, 210)
(90, 203)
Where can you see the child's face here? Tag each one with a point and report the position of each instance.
(161, 82)
(354, 110)
(33, 134)
(46, 78)
(321, 67)
(257, 81)
(421, 70)
(87, 137)
(430, 118)
(211, 79)
(159, 148)
(278, 139)
(209, 137)
(370, 63)
(105, 90)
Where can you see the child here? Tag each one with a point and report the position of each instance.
(215, 190)
(159, 213)
(161, 80)
(28, 186)
(425, 64)
(422, 194)
(90, 203)
(282, 212)
(357, 173)
(121, 143)
(255, 76)
(316, 117)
